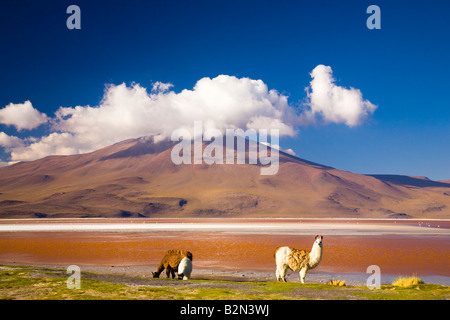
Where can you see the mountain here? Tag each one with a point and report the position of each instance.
(137, 178)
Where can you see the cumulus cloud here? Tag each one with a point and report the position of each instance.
(223, 102)
(22, 116)
(334, 103)
(228, 102)
(161, 87)
(54, 144)
(10, 142)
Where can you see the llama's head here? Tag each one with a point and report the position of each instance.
(155, 274)
(319, 239)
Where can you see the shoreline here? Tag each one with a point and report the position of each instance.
(245, 275)
(237, 225)
(399, 248)
(405, 220)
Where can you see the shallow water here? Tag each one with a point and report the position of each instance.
(230, 246)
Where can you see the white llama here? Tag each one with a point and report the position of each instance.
(185, 269)
(298, 260)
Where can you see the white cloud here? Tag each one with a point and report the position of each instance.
(53, 144)
(228, 102)
(22, 116)
(10, 142)
(223, 102)
(34, 148)
(161, 87)
(334, 103)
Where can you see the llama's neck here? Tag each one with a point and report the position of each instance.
(315, 256)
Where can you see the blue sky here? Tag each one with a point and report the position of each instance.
(403, 68)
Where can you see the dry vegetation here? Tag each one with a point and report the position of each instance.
(339, 283)
(407, 281)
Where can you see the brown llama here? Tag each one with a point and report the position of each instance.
(170, 262)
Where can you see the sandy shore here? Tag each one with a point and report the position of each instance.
(234, 247)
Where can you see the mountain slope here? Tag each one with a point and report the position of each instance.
(137, 178)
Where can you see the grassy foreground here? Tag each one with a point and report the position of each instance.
(38, 283)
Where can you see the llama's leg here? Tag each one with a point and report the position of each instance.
(171, 271)
(282, 273)
(302, 274)
(168, 271)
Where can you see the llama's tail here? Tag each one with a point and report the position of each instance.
(275, 252)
